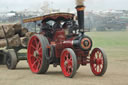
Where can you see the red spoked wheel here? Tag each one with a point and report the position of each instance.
(68, 62)
(36, 54)
(98, 62)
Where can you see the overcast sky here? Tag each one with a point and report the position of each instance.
(18, 5)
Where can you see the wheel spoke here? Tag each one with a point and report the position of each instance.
(33, 46)
(67, 55)
(70, 62)
(38, 46)
(40, 53)
(38, 65)
(95, 65)
(34, 63)
(66, 69)
(69, 70)
(101, 59)
(69, 66)
(39, 58)
(35, 39)
(98, 55)
(96, 68)
(31, 55)
(40, 49)
(100, 68)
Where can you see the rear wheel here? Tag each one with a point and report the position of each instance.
(98, 62)
(37, 54)
(78, 66)
(11, 59)
(68, 62)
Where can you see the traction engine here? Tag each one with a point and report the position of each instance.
(69, 51)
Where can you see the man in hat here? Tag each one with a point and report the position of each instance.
(44, 26)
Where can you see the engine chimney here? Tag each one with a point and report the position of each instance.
(80, 15)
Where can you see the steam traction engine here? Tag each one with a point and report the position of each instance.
(65, 45)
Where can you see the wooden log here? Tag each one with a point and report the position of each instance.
(9, 31)
(29, 34)
(13, 41)
(17, 28)
(23, 32)
(24, 41)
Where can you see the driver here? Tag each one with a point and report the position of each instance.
(44, 26)
(65, 27)
(57, 25)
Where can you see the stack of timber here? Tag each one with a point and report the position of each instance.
(14, 35)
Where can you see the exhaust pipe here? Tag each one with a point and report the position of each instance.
(80, 15)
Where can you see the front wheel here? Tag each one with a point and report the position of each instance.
(68, 62)
(98, 62)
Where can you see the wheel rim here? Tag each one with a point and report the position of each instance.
(66, 63)
(35, 54)
(97, 61)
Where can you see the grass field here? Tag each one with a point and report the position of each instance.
(114, 43)
(109, 39)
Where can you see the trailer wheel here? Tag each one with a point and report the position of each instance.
(37, 54)
(3, 57)
(98, 62)
(68, 62)
(11, 59)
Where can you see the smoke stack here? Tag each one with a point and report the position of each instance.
(80, 15)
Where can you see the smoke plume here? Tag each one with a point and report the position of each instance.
(80, 2)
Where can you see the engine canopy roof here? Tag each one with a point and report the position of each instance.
(54, 17)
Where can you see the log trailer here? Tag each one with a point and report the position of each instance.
(66, 45)
(11, 55)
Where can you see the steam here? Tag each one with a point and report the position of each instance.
(80, 2)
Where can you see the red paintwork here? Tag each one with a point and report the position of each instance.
(59, 35)
(60, 42)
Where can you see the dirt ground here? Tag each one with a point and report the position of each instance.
(116, 47)
(117, 74)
